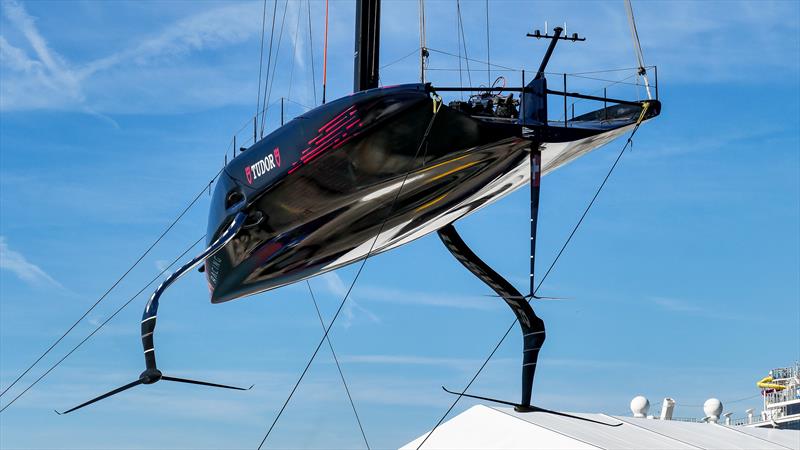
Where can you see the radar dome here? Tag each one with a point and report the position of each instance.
(639, 406)
(713, 408)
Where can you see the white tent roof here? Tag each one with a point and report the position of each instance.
(483, 427)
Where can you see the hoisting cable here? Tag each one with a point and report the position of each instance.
(338, 367)
(325, 56)
(311, 53)
(637, 47)
(261, 58)
(76, 347)
(113, 286)
(437, 101)
(628, 142)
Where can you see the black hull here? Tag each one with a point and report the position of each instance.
(328, 180)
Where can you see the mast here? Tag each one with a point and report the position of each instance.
(368, 39)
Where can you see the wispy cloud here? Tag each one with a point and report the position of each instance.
(372, 293)
(26, 271)
(685, 36)
(215, 28)
(591, 363)
(41, 78)
(44, 81)
(676, 305)
(434, 299)
(157, 67)
(337, 287)
(162, 264)
(695, 308)
(668, 146)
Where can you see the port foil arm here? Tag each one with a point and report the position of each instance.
(151, 373)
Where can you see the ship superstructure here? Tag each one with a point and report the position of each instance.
(780, 391)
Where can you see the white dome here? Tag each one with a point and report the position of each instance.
(713, 409)
(639, 406)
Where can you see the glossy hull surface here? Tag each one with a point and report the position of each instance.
(321, 189)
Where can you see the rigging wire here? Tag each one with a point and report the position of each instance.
(294, 50)
(311, 53)
(611, 83)
(99, 327)
(501, 68)
(497, 66)
(628, 142)
(269, 64)
(412, 53)
(606, 80)
(299, 104)
(113, 286)
(261, 57)
(488, 52)
(622, 69)
(437, 104)
(727, 402)
(338, 367)
(464, 43)
(277, 55)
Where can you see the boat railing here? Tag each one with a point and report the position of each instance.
(786, 372)
(687, 419)
(785, 395)
(574, 97)
(734, 421)
(581, 92)
(274, 115)
(740, 421)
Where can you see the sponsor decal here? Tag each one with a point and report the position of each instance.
(263, 166)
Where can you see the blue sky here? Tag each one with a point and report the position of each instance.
(684, 281)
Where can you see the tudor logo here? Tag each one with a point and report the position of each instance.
(263, 166)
